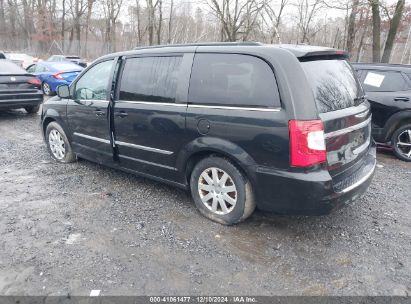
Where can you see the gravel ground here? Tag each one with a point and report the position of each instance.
(78, 227)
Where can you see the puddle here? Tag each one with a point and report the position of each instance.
(73, 238)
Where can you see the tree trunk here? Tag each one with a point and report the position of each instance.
(170, 22)
(395, 21)
(376, 31)
(351, 26)
(2, 24)
(160, 21)
(63, 25)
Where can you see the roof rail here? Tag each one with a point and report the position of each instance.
(245, 43)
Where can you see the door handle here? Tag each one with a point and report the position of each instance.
(401, 99)
(99, 112)
(121, 114)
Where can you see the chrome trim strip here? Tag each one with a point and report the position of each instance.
(235, 108)
(147, 162)
(122, 143)
(154, 103)
(362, 114)
(362, 148)
(202, 106)
(92, 138)
(349, 129)
(362, 180)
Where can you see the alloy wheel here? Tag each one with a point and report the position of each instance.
(217, 190)
(404, 143)
(57, 145)
(46, 88)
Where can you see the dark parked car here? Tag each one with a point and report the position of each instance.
(285, 128)
(388, 88)
(71, 58)
(18, 89)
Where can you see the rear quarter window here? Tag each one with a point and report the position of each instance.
(334, 84)
(232, 80)
(383, 81)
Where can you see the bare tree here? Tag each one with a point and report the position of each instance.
(307, 10)
(394, 23)
(236, 17)
(274, 19)
(376, 30)
(111, 11)
(351, 26)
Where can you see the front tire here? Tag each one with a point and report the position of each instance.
(32, 109)
(46, 89)
(221, 192)
(401, 142)
(58, 145)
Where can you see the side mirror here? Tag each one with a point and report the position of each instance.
(63, 91)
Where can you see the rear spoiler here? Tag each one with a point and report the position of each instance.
(324, 55)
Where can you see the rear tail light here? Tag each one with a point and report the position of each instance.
(307, 143)
(34, 81)
(58, 76)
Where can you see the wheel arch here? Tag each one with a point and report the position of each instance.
(204, 147)
(394, 122)
(51, 115)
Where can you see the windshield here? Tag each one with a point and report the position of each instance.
(334, 84)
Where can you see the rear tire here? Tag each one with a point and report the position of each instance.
(221, 192)
(47, 89)
(401, 142)
(57, 143)
(32, 109)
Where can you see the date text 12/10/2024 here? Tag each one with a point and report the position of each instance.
(203, 299)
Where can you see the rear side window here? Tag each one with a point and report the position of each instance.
(150, 79)
(232, 80)
(383, 81)
(334, 84)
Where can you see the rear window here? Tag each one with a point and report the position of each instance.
(334, 84)
(233, 80)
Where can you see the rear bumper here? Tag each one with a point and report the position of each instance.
(311, 193)
(18, 100)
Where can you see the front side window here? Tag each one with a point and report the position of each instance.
(233, 80)
(94, 83)
(383, 81)
(150, 79)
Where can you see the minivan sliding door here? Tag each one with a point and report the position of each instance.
(149, 113)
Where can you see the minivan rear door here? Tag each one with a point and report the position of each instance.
(149, 112)
(344, 111)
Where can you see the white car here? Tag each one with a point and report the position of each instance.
(22, 59)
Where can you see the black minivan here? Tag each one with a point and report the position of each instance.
(281, 127)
